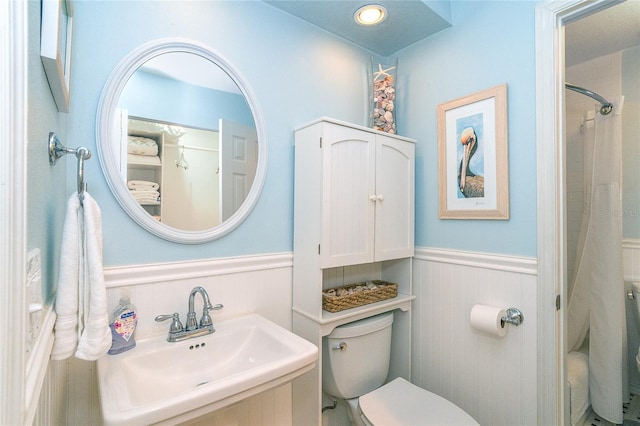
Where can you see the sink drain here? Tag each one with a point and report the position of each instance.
(201, 383)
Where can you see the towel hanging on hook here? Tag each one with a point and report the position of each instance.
(57, 150)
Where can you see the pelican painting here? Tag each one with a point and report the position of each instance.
(471, 184)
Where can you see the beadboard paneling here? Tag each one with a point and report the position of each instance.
(493, 379)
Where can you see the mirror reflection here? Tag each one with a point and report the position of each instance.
(188, 146)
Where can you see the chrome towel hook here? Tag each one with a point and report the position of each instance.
(57, 150)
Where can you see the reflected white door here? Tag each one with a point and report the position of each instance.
(238, 162)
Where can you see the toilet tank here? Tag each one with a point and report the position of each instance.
(363, 362)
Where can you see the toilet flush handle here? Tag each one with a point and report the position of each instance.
(341, 346)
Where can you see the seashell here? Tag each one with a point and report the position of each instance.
(388, 116)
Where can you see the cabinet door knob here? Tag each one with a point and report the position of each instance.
(373, 198)
(380, 197)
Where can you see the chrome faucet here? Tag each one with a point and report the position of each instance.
(192, 329)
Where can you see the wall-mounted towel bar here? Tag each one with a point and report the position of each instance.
(605, 106)
(57, 150)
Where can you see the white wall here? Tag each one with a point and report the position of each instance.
(492, 379)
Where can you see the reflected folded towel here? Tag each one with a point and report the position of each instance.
(139, 145)
(82, 322)
(144, 159)
(146, 197)
(142, 185)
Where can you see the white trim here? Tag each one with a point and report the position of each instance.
(107, 106)
(38, 363)
(119, 276)
(550, 16)
(13, 159)
(518, 264)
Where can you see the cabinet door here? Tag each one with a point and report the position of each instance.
(348, 184)
(394, 211)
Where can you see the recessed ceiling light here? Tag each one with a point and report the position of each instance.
(371, 14)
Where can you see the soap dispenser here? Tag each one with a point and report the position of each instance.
(123, 327)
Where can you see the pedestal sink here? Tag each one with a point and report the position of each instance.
(165, 383)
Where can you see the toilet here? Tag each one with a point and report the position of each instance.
(355, 364)
(636, 296)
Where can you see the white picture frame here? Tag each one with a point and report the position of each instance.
(484, 116)
(55, 48)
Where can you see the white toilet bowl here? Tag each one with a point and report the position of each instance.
(401, 403)
(354, 368)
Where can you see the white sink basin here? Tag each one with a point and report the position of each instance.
(158, 381)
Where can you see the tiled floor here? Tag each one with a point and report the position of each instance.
(631, 412)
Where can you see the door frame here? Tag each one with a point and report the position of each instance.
(13, 196)
(551, 16)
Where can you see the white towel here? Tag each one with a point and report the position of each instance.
(142, 146)
(144, 159)
(142, 184)
(82, 323)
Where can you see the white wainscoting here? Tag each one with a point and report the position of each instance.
(259, 284)
(493, 379)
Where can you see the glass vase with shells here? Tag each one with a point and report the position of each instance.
(382, 78)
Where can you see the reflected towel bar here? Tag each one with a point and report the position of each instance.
(57, 150)
(606, 106)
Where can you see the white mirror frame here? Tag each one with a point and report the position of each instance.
(105, 135)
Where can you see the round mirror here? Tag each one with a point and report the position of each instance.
(181, 141)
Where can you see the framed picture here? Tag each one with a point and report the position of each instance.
(473, 170)
(55, 48)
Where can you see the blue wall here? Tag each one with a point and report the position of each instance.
(490, 43)
(48, 188)
(148, 95)
(299, 73)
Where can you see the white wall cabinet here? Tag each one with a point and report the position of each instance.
(353, 221)
(367, 192)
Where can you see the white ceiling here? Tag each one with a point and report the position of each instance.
(604, 32)
(408, 21)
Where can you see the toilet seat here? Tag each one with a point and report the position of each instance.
(402, 403)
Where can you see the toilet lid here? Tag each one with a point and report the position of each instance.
(401, 403)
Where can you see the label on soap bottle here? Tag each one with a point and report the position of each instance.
(125, 324)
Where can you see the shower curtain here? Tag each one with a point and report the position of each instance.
(596, 304)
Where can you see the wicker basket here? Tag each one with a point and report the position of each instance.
(334, 303)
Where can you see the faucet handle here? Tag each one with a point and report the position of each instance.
(176, 325)
(216, 307)
(205, 320)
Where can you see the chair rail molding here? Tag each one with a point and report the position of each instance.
(118, 276)
(499, 262)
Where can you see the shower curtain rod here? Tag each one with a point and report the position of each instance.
(606, 106)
